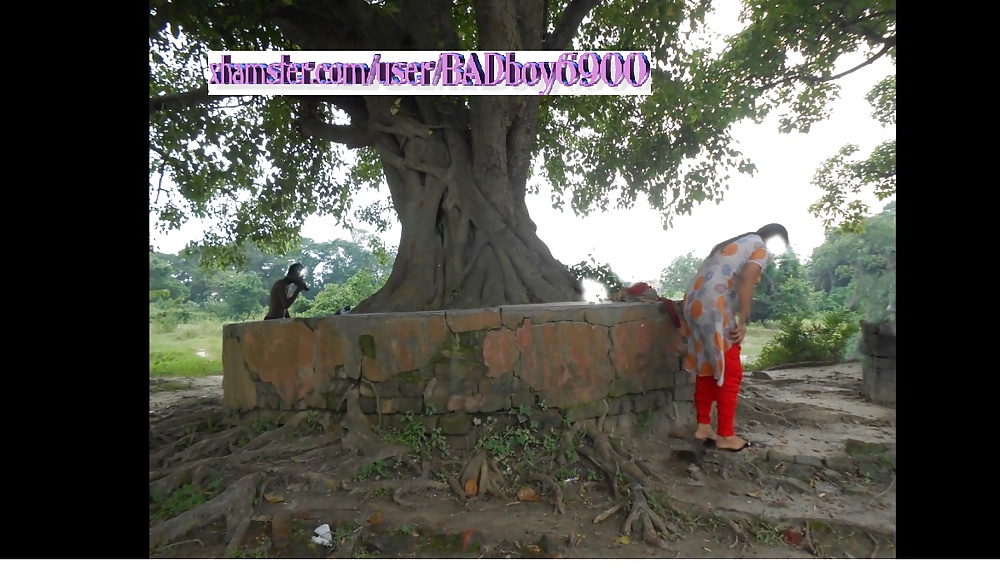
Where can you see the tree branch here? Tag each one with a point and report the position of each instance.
(569, 24)
(184, 99)
(889, 43)
(348, 135)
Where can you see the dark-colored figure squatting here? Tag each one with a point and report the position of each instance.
(285, 291)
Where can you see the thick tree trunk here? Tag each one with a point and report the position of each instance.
(467, 238)
(457, 172)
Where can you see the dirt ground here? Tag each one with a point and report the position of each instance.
(820, 483)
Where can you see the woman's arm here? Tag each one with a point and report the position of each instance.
(749, 277)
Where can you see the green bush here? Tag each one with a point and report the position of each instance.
(824, 337)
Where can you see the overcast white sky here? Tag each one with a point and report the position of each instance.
(780, 192)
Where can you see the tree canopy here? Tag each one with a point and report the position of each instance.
(458, 167)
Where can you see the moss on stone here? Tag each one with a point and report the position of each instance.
(367, 344)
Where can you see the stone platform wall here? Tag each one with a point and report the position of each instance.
(878, 349)
(580, 360)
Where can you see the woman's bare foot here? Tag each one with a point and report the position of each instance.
(705, 432)
(730, 442)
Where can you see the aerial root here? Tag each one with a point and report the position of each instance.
(209, 446)
(235, 504)
(643, 520)
(615, 461)
(549, 484)
(265, 439)
(611, 511)
(741, 535)
(487, 477)
(167, 480)
(189, 421)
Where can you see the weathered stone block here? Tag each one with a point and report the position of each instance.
(584, 411)
(523, 397)
(658, 399)
(384, 344)
(438, 393)
(264, 389)
(799, 472)
(777, 457)
(507, 384)
(513, 316)
(238, 390)
(565, 362)
(460, 370)
(460, 321)
(430, 421)
(548, 419)
(878, 339)
(858, 448)
(455, 424)
(411, 384)
(281, 352)
(611, 314)
(385, 390)
(460, 443)
(336, 387)
(489, 402)
(843, 464)
(619, 405)
(335, 402)
(683, 390)
(499, 352)
(642, 403)
(879, 379)
(639, 358)
(811, 461)
(402, 405)
(367, 405)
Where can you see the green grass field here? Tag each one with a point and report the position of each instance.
(754, 342)
(191, 350)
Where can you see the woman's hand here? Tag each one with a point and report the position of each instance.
(736, 334)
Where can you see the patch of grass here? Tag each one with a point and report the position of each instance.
(189, 350)
(417, 438)
(376, 470)
(182, 499)
(763, 531)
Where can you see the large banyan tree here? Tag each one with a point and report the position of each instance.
(458, 168)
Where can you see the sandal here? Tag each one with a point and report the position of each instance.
(747, 444)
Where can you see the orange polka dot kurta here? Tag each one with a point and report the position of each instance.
(711, 303)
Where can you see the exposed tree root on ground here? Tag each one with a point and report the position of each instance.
(194, 454)
(235, 504)
(319, 451)
(549, 484)
(620, 468)
(482, 477)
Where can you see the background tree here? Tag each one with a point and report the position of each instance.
(241, 292)
(840, 176)
(857, 270)
(676, 277)
(786, 290)
(458, 167)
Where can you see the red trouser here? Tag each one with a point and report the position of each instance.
(706, 391)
